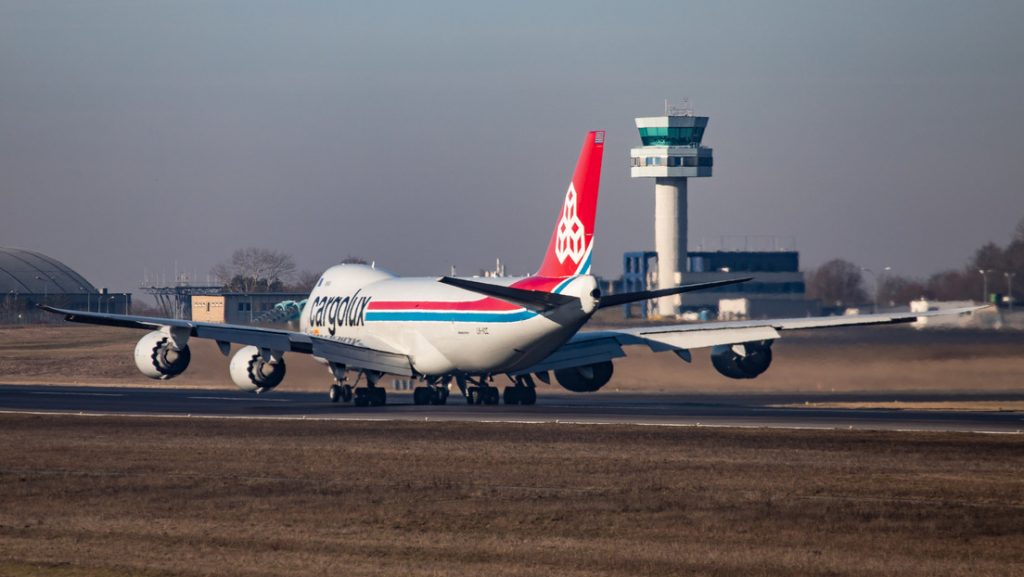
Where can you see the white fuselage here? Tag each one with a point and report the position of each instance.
(443, 329)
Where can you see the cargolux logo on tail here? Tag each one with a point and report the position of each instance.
(571, 237)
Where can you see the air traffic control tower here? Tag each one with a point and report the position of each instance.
(671, 154)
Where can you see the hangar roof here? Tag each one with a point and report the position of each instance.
(28, 272)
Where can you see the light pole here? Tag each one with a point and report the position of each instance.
(1009, 288)
(984, 283)
(88, 299)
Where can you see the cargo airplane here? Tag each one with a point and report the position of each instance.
(439, 331)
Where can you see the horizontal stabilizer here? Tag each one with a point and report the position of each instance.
(623, 298)
(538, 301)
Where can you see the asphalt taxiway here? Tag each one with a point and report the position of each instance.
(732, 410)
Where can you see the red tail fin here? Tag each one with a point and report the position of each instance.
(573, 238)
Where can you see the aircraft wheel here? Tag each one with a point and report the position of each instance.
(346, 393)
(528, 396)
(422, 396)
(438, 396)
(511, 396)
(378, 397)
(334, 393)
(491, 396)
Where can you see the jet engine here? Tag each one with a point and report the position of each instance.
(585, 379)
(251, 372)
(742, 361)
(158, 358)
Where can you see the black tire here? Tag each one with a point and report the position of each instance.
(528, 396)
(422, 396)
(334, 393)
(362, 401)
(438, 395)
(346, 393)
(491, 396)
(511, 396)
(378, 396)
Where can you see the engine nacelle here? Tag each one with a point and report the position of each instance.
(158, 358)
(585, 379)
(253, 374)
(743, 361)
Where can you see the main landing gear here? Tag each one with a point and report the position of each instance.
(435, 393)
(369, 396)
(523, 392)
(341, 393)
(481, 392)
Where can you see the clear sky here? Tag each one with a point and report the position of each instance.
(136, 135)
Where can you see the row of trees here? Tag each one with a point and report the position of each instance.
(992, 269)
(264, 270)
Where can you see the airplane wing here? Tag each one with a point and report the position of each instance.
(604, 345)
(360, 355)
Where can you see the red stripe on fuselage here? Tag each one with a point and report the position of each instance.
(536, 283)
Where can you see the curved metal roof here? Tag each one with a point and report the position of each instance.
(28, 272)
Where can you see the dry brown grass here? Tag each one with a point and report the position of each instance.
(115, 496)
(859, 359)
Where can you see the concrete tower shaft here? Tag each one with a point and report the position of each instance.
(670, 237)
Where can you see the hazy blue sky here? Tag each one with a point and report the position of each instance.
(135, 134)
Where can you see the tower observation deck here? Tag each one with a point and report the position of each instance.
(671, 154)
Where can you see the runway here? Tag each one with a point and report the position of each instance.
(726, 410)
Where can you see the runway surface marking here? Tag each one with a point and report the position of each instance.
(242, 399)
(76, 394)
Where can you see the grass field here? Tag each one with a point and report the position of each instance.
(99, 497)
(117, 496)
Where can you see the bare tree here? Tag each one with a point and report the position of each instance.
(255, 270)
(899, 290)
(952, 285)
(304, 281)
(837, 282)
